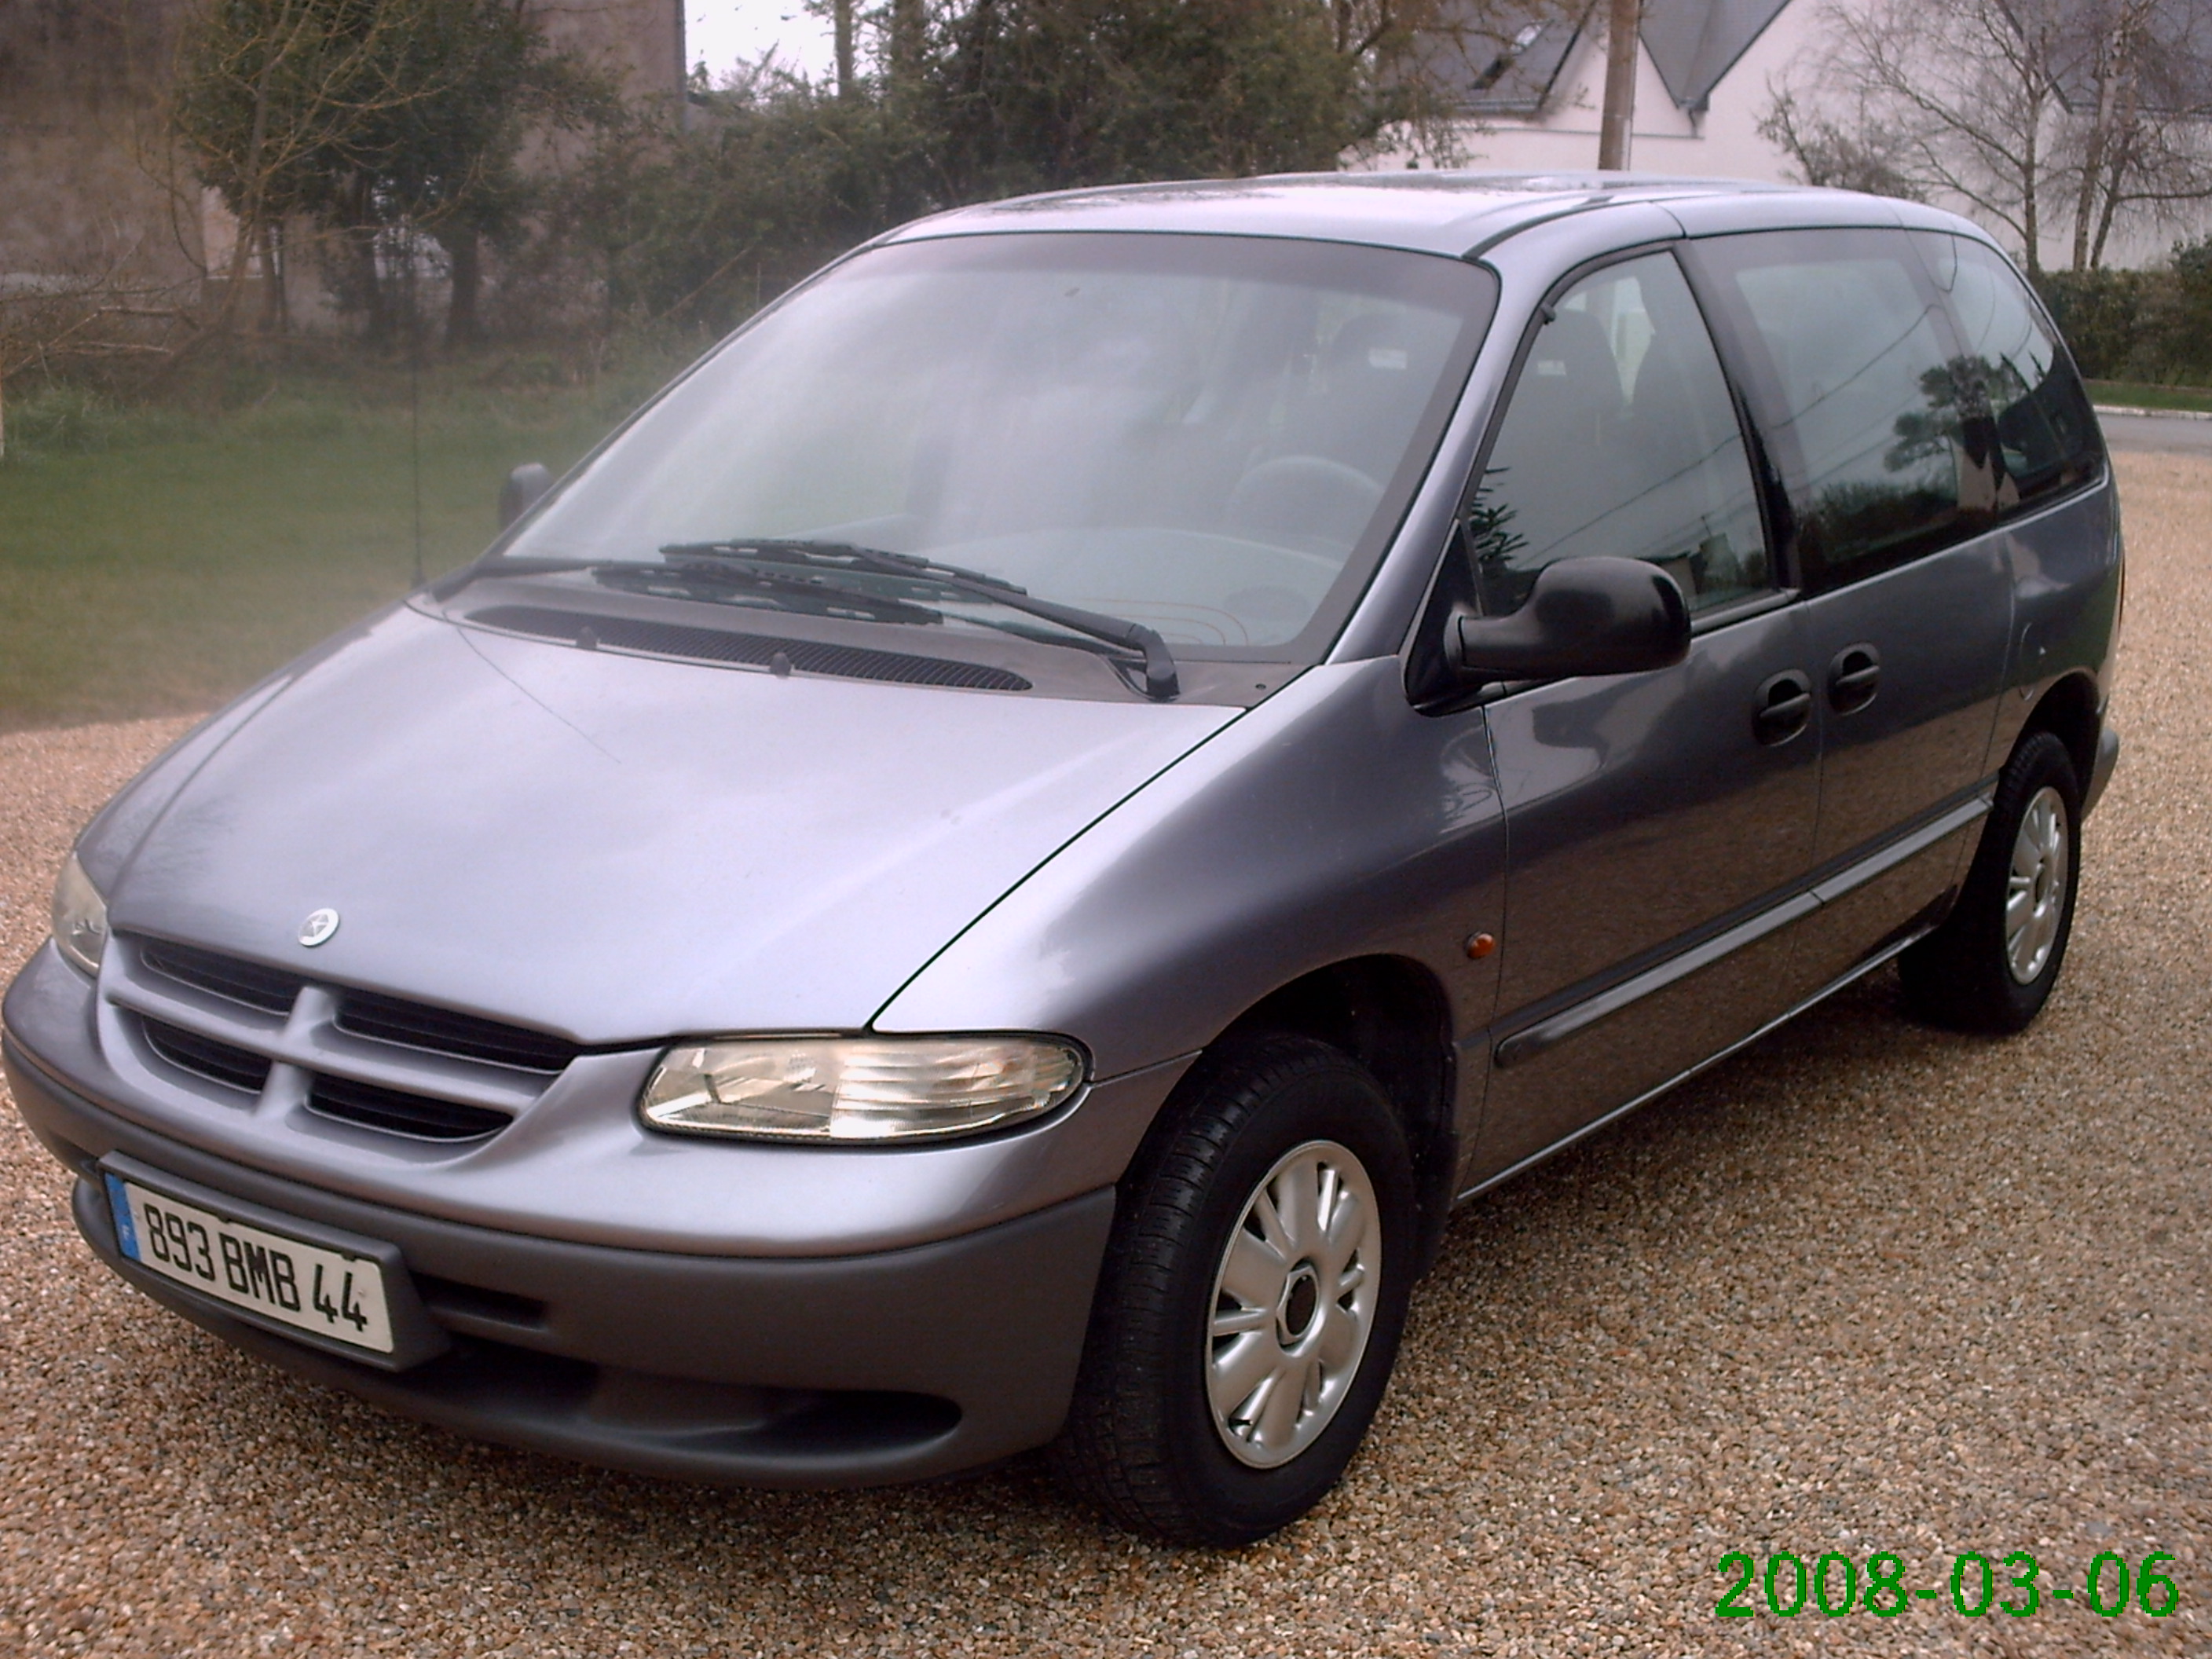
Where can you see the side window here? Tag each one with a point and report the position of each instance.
(1855, 382)
(2047, 435)
(1621, 438)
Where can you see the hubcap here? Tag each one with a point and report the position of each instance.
(2035, 890)
(1293, 1304)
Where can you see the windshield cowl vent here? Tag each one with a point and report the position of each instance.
(657, 639)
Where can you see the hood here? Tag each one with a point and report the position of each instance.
(620, 849)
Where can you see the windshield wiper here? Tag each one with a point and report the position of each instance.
(828, 597)
(1161, 682)
(813, 594)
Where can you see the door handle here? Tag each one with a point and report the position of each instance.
(1784, 707)
(1853, 678)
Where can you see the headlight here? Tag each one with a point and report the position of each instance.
(826, 1088)
(80, 918)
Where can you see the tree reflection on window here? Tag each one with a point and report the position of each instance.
(2045, 432)
(1886, 421)
(1619, 438)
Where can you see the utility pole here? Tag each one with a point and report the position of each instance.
(848, 80)
(1627, 16)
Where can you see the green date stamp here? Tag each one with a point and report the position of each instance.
(1833, 1584)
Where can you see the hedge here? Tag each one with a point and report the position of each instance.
(2153, 326)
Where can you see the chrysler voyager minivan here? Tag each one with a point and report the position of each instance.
(987, 870)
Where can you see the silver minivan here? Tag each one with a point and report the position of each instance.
(986, 870)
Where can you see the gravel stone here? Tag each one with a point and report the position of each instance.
(1866, 1287)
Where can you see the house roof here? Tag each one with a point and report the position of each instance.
(1505, 73)
(1692, 44)
(1506, 68)
(1508, 59)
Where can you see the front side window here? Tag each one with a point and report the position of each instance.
(1619, 438)
(1214, 437)
(2046, 434)
(1856, 381)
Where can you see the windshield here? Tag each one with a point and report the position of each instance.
(1212, 436)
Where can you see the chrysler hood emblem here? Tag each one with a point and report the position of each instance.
(318, 926)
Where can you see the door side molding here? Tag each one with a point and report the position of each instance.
(1555, 1029)
(1895, 948)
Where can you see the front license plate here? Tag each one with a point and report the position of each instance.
(329, 1292)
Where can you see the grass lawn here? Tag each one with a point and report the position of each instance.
(180, 559)
(2133, 394)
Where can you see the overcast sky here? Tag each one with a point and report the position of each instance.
(720, 32)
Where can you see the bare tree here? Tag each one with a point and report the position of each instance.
(1962, 95)
(2036, 117)
(101, 314)
(2140, 84)
(1833, 152)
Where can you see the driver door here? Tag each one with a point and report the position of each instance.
(1654, 820)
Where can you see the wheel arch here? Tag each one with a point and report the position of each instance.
(2068, 710)
(1391, 1014)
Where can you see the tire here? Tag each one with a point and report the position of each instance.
(1983, 970)
(1145, 1439)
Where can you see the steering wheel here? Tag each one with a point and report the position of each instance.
(1297, 501)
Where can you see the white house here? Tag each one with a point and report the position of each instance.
(1707, 73)
(1703, 73)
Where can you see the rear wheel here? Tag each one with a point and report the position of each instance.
(1252, 1300)
(1991, 965)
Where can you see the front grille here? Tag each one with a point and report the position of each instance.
(268, 989)
(373, 1107)
(440, 1031)
(721, 645)
(373, 1060)
(202, 1056)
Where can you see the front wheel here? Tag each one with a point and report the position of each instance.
(1991, 965)
(1252, 1299)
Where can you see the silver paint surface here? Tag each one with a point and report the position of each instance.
(622, 851)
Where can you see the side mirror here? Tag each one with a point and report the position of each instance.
(521, 491)
(1594, 616)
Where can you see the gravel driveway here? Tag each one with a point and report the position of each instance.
(1867, 1287)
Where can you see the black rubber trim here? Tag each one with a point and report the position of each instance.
(2100, 774)
(1896, 945)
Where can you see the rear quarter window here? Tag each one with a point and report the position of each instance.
(2046, 434)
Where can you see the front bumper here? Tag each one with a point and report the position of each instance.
(844, 1370)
